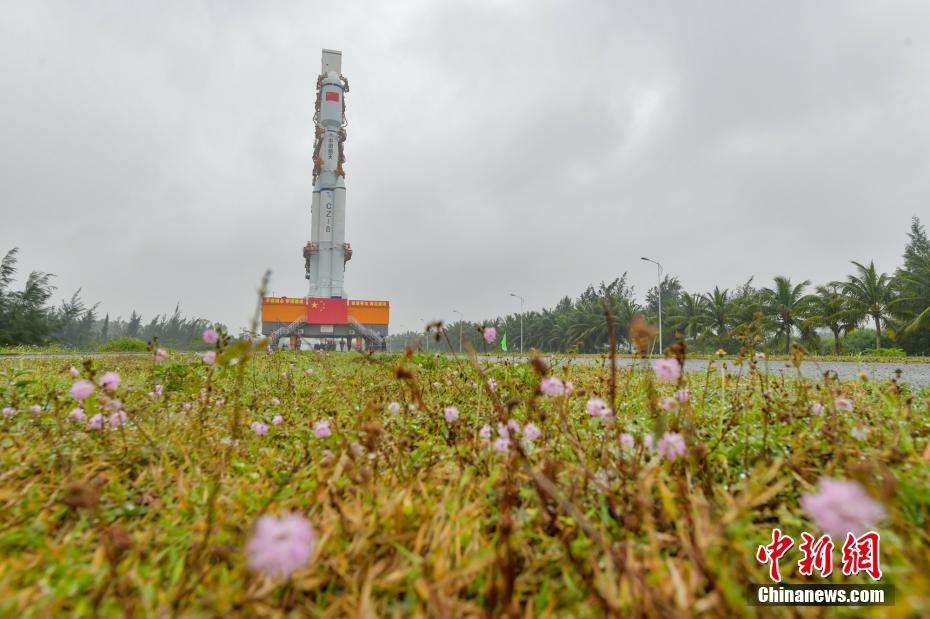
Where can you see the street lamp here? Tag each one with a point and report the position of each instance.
(659, 294)
(521, 319)
(461, 322)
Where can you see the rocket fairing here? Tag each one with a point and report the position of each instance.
(327, 252)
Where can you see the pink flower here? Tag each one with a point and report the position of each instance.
(485, 432)
(626, 440)
(552, 386)
(81, 389)
(159, 388)
(648, 442)
(842, 507)
(309, 371)
(502, 445)
(220, 402)
(276, 420)
(118, 418)
(843, 404)
(394, 407)
(275, 402)
(110, 381)
(321, 428)
(187, 406)
(672, 446)
(450, 413)
(96, 422)
(513, 426)
(860, 432)
(209, 357)
(683, 395)
(531, 432)
(492, 384)
(73, 371)
(8, 411)
(268, 348)
(490, 334)
(597, 407)
(259, 428)
(160, 355)
(503, 431)
(669, 404)
(77, 414)
(280, 545)
(35, 408)
(816, 408)
(667, 369)
(210, 336)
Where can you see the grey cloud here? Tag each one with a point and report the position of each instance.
(152, 154)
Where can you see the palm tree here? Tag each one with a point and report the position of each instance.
(785, 305)
(690, 316)
(912, 305)
(828, 309)
(869, 294)
(718, 313)
(746, 305)
(585, 327)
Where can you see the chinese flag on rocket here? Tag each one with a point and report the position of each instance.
(327, 311)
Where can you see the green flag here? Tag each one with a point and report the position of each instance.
(504, 343)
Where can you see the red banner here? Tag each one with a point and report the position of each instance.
(327, 311)
(332, 96)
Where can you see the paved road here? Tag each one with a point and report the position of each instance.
(914, 374)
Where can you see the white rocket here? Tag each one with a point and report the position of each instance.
(326, 254)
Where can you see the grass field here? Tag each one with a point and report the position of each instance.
(417, 508)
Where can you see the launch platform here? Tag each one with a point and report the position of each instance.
(334, 324)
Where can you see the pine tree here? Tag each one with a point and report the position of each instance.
(135, 323)
(917, 244)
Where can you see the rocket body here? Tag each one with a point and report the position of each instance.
(326, 254)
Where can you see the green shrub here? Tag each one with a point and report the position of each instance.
(884, 352)
(123, 344)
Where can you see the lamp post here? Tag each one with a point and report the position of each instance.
(461, 322)
(659, 294)
(521, 319)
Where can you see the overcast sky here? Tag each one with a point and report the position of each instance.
(152, 153)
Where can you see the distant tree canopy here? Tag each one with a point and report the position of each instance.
(882, 310)
(26, 318)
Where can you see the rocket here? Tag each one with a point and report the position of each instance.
(326, 254)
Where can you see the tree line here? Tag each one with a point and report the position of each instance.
(868, 310)
(28, 318)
